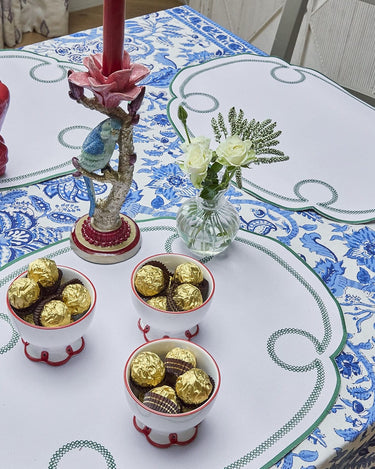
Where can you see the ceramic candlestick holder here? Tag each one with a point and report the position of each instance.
(105, 235)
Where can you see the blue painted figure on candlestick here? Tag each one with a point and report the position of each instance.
(97, 150)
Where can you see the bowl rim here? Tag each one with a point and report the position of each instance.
(22, 321)
(172, 254)
(163, 414)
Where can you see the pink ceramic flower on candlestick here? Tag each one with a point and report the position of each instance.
(4, 104)
(112, 89)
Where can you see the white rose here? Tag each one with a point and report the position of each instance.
(197, 159)
(235, 152)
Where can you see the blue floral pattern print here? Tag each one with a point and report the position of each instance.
(347, 365)
(342, 255)
(362, 247)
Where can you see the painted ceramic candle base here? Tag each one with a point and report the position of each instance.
(151, 333)
(165, 440)
(53, 356)
(107, 247)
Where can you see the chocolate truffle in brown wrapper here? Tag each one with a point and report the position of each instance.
(23, 292)
(178, 360)
(44, 271)
(194, 386)
(204, 288)
(149, 280)
(147, 369)
(188, 272)
(77, 298)
(73, 281)
(162, 399)
(187, 297)
(55, 313)
(158, 302)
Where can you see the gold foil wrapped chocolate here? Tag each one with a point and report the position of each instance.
(182, 354)
(44, 271)
(158, 302)
(194, 386)
(188, 272)
(147, 369)
(149, 280)
(178, 360)
(77, 298)
(23, 292)
(187, 297)
(162, 399)
(55, 313)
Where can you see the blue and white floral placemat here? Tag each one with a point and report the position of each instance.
(273, 328)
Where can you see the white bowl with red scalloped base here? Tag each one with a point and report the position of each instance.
(56, 345)
(156, 323)
(164, 430)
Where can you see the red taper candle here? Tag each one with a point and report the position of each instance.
(113, 35)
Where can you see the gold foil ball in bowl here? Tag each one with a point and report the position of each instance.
(52, 320)
(171, 294)
(167, 407)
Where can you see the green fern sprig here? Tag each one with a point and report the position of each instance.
(232, 115)
(239, 123)
(263, 134)
(248, 131)
(270, 151)
(216, 129)
(222, 125)
(242, 128)
(272, 159)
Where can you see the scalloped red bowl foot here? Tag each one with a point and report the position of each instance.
(53, 357)
(149, 334)
(165, 440)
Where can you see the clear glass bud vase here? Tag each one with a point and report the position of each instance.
(207, 227)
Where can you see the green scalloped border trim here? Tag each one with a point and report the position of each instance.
(13, 340)
(315, 364)
(78, 444)
(62, 133)
(41, 62)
